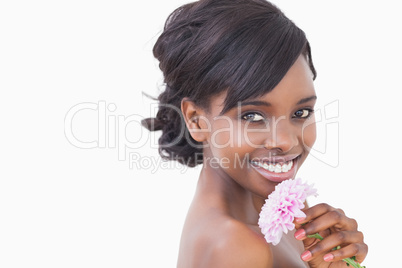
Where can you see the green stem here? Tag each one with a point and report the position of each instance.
(349, 261)
(316, 235)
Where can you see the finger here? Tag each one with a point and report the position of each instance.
(342, 238)
(359, 250)
(336, 217)
(309, 242)
(333, 220)
(314, 212)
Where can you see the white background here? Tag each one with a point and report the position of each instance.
(65, 206)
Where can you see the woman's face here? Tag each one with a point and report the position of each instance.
(263, 141)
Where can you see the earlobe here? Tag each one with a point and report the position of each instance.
(194, 118)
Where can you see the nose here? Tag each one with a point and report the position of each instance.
(282, 136)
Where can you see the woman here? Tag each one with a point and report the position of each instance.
(239, 100)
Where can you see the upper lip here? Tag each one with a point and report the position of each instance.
(275, 159)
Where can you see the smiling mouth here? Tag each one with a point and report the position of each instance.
(277, 169)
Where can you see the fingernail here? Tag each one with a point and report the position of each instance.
(300, 219)
(306, 256)
(328, 257)
(300, 234)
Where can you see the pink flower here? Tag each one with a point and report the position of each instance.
(282, 206)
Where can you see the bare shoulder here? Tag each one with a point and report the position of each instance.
(239, 246)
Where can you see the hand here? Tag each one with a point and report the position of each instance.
(337, 230)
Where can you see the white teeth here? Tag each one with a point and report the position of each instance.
(271, 168)
(285, 168)
(277, 168)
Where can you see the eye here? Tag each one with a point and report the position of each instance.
(303, 113)
(253, 117)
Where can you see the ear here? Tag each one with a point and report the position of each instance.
(195, 119)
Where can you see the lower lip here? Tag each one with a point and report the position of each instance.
(277, 177)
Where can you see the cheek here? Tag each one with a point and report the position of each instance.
(221, 135)
(309, 134)
(228, 143)
(228, 133)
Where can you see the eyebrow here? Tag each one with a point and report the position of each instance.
(314, 97)
(264, 103)
(255, 103)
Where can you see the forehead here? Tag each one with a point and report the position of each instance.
(295, 85)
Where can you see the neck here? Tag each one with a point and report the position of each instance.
(231, 197)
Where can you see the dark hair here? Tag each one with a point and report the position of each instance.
(243, 46)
